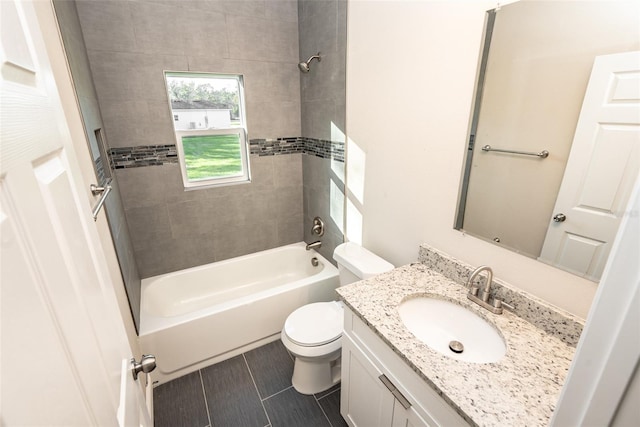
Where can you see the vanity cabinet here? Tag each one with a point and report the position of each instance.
(379, 389)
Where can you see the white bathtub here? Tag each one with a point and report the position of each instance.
(202, 315)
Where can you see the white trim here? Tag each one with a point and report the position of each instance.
(240, 130)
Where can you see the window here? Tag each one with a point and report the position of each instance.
(209, 122)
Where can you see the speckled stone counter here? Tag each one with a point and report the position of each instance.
(519, 390)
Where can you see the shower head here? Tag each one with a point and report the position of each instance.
(304, 66)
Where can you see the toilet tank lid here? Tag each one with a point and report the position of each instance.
(360, 261)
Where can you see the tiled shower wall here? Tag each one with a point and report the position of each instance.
(322, 27)
(73, 39)
(129, 45)
(175, 229)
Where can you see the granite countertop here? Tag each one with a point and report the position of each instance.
(521, 389)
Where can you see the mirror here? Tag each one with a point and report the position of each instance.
(536, 65)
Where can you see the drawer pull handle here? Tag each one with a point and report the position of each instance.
(396, 393)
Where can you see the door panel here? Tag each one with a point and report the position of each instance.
(605, 189)
(63, 339)
(32, 340)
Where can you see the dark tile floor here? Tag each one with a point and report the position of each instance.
(250, 390)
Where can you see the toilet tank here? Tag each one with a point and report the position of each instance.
(357, 263)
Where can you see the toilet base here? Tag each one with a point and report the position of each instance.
(311, 377)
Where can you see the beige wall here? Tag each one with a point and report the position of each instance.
(411, 68)
(539, 66)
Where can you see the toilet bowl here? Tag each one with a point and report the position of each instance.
(313, 332)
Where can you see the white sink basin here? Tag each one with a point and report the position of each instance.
(438, 323)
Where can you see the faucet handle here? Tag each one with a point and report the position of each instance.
(507, 306)
(473, 290)
(318, 226)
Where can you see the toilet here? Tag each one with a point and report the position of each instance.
(313, 332)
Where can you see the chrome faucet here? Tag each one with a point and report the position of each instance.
(496, 305)
(313, 245)
(487, 286)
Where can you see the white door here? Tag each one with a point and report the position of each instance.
(63, 340)
(602, 168)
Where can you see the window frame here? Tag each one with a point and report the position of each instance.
(241, 131)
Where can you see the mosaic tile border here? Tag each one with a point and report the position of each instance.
(101, 173)
(143, 155)
(152, 155)
(325, 149)
(272, 147)
(317, 147)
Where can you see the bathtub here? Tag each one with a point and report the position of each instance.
(205, 314)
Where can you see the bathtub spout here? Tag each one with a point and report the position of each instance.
(314, 245)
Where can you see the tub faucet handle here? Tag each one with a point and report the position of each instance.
(318, 226)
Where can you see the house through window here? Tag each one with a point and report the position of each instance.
(209, 122)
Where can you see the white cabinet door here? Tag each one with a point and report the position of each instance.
(365, 401)
(602, 168)
(63, 340)
(407, 417)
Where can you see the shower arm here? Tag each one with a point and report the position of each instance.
(317, 56)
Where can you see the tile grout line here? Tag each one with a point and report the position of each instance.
(256, 387)
(204, 394)
(328, 394)
(278, 392)
(322, 409)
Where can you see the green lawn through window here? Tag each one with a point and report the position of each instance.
(212, 156)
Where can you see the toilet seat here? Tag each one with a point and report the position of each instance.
(315, 324)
